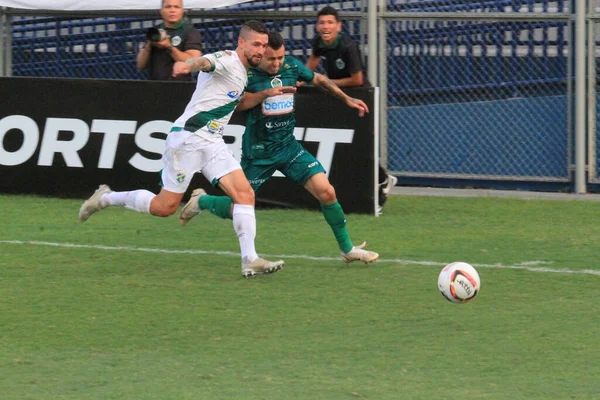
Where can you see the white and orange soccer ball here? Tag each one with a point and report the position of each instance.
(459, 282)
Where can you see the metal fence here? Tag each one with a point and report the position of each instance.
(593, 90)
(469, 89)
(481, 99)
(105, 46)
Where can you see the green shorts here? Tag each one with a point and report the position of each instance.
(296, 163)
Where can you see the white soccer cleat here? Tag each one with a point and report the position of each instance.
(191, 208)
(92, 204)
(391, 181)
(260, 266)
(358, 254)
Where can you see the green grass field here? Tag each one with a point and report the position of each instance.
(128, 306)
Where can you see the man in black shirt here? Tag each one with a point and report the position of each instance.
(178, 42)
(343, 65)
(343, 61)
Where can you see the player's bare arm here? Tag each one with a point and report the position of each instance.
(192, 65)
(251, 100)
(327, 86)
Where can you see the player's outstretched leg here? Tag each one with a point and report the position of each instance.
(260, 266)
(334, 215)
(191, 208)
(359, 254)
(93, 204)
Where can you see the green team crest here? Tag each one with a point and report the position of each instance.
(276, 82)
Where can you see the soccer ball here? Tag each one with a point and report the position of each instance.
(459, 282)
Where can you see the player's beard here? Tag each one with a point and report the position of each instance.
(253, 60)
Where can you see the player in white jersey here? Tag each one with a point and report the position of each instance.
(195, 144)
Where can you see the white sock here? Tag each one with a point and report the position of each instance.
(136, 200)
(244, 224)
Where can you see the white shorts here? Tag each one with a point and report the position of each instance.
(186, 154)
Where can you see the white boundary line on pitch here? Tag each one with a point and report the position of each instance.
(526, 265)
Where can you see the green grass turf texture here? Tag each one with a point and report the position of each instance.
(91, 323)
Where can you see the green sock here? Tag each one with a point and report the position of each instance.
(217, 205)
(334, 215)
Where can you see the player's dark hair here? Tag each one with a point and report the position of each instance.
(253, 26)
(275, 40)
(328, 10)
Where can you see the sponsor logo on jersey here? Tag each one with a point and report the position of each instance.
(214, 127)
(339, 63)
(297, 156)
(277, 124)
(257, 181)
(175, 40)
(277, 105)
(218, 55)
(234, 94)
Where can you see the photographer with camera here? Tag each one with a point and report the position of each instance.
(173, 40)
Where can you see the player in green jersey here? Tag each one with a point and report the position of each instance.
(268, 143)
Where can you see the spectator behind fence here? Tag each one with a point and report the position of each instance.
(343, 65)
(172, 40)
(343, 61)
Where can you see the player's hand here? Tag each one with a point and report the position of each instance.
(359, 105)
(300, 83)
(276, 91)
(180, 68)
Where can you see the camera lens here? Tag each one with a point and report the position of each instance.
(155, 34)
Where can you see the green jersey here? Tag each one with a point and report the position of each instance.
(270, 125)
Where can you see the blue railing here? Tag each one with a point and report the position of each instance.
(424, 55)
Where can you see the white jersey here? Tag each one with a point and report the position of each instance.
(217, 94)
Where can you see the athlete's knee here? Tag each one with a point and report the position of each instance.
(326, 195)
(244, 196)
(163, 208)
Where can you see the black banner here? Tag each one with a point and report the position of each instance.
(64, 137)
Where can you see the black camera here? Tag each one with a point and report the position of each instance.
(156, 34)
